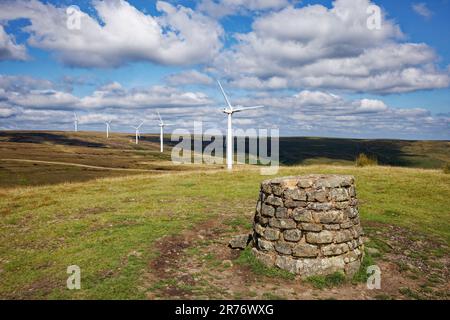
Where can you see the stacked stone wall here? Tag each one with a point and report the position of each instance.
(309, 225)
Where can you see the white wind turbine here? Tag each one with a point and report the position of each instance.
(229, 110)
(108, 127)
(162, 124)
(138, 134)
(75, 121)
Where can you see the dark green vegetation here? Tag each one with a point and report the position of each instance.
(417, 154)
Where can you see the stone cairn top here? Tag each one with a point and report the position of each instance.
(309, 225)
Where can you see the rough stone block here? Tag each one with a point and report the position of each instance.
(267, 211)
(305, 250)
(343, 236)
(265, 245)
(271, 234)
(340, 194)
(295, 194)
(334, 249)
(240, 241)
(331, 216)
(292, 235)
(286, 263)
(289, 203)
(275, 201)
(302, 215)
(258, 229)
(282, 213)
(283, 248)
(282, 223)
(321, 237)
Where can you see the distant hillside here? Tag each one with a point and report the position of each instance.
(36, 157)
(420, 154)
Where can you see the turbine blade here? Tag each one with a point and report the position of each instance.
(247, 108)
(225, 95)
(160, 120)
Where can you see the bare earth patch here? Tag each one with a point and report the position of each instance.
(199, 265)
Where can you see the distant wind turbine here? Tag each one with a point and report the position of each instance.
(162, 124)
(108, 128)
(229, 110)
(75, 121)
(138, 134)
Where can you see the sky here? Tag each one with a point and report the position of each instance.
(344, 68)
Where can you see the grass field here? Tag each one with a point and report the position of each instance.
(164, 233)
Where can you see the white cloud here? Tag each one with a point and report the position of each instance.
(422, 10)
(317, 113)
(370, 105)
(6, 111)
(318, 47)
(115, 96)
(307, 97)
(30, 93)
(325, 114)
(189, 77)
(178, 36)
(9, 49)
(221, 8)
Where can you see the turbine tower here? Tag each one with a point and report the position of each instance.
(138, 134)
(75, 121)
(229, 110)
(108, 128)
(162, 124)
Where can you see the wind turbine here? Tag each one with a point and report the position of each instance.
(108, 128)
(229, 110)
(138, 134)
(161, 131)
(75, 121)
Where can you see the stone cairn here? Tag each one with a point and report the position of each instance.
(309, 225)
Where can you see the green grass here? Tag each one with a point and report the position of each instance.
(361, 275)
(328, 281)
(247, 258)
(98, 224)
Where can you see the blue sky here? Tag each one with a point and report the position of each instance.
(314, 65)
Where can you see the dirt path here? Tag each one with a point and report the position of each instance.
(198, 265)
(78, 165)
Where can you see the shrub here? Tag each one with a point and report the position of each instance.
(363, 160)
(446, 168)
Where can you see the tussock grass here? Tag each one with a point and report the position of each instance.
(363, 160)
(446, 168)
